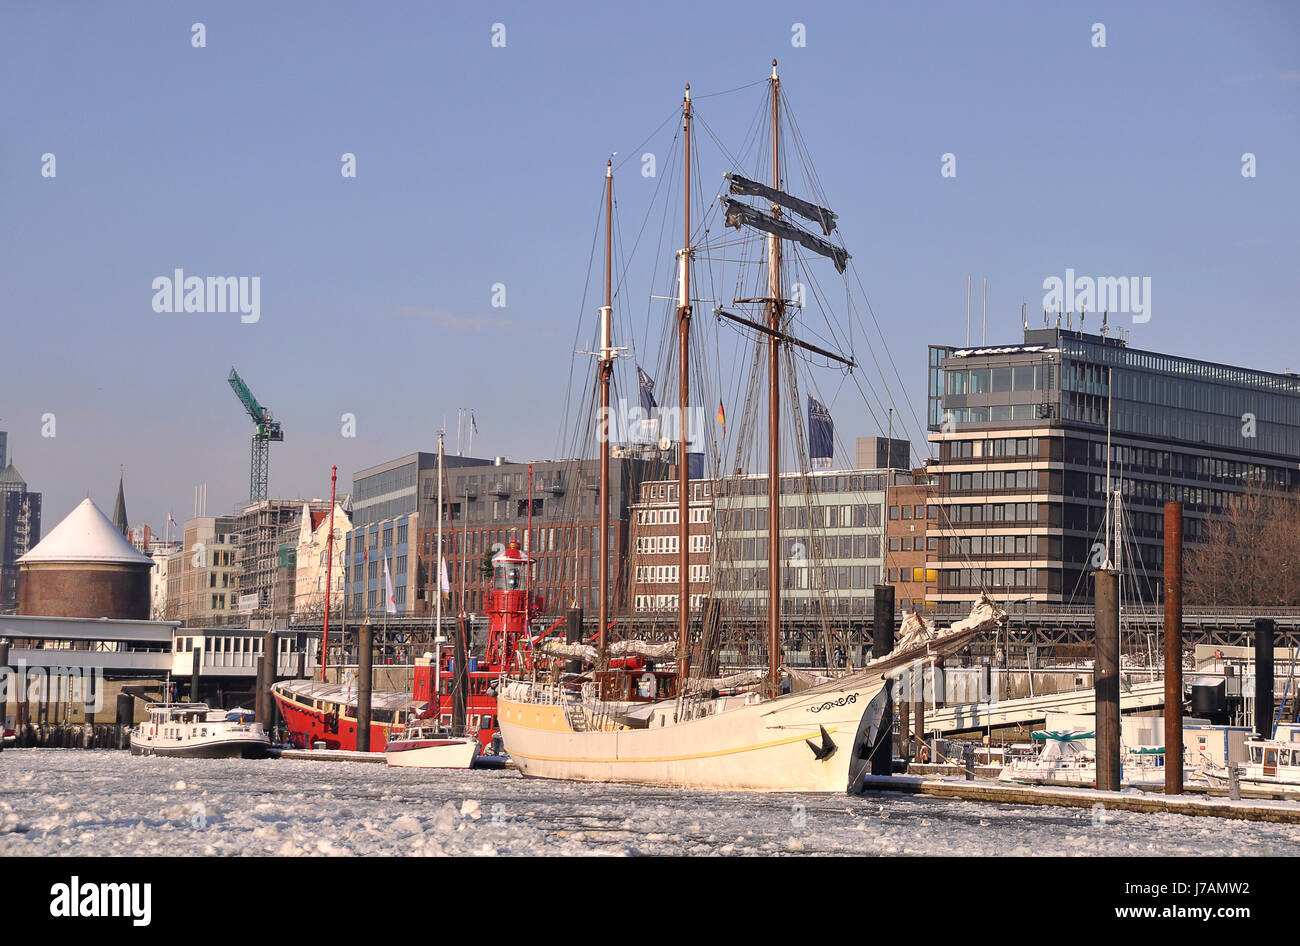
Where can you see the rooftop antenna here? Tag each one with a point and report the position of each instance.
(1082, 315)
(1105, 323)
(968, 310)
(1024, 315)
(985, 330)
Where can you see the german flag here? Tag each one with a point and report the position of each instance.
(722, 419)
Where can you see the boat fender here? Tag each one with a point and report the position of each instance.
(332, 720)
(925, 753)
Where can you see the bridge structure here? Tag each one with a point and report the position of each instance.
(1043, 631)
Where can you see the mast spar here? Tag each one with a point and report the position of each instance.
(683, 464)
(775, 307)
(606, 369)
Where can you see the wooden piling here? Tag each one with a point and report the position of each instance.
(196, 665)
(1173, 648)
(1264, 628)
(1106, 679)
(365, 660)
(882, 643)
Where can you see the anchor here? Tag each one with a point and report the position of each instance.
(826, 749)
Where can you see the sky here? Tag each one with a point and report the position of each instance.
(480, 166)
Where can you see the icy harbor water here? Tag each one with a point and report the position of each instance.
(101, 802)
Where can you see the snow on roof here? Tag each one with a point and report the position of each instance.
(86, 535)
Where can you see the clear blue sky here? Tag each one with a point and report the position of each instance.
(478, 165)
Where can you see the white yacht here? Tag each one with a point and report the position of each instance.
(196, 731)
(1272, 765)
(1066, 760)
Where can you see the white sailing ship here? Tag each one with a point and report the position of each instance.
(626, 720)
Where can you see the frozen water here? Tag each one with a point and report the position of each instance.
(55, 801)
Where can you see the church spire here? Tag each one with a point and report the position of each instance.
(119, 508)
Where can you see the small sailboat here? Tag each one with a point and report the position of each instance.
(424, 743)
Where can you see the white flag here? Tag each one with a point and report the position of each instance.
(443, 583)
(390, 601)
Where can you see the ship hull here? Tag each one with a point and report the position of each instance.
(333, 723)
(432, 753)
(250, 748)
(762, 746)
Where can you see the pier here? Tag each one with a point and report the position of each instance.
(1278, 812)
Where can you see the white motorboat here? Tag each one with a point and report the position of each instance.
(1272, 765)
(424, 745)
(196, 731)
(1066, 760)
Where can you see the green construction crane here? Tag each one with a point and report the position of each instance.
(266, 430)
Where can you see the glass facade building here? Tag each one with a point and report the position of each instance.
(1022, 478)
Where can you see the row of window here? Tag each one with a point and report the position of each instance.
(801, 548)
(912, 543)
(977, 545)
(998, 380)
(664, 490)
(996, 412)
(993, 512)
(644, 603)
(989, 480)
(991, 447)
(817, 516)
(990, 578)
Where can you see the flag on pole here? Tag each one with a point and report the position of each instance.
(444, 584)
(473, 424)
(390, 600)
(722, 419)
(646, 388)
(821, 435)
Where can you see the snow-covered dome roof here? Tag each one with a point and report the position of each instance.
(86, 535)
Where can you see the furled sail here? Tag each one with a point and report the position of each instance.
(744, 187)
(739, 214)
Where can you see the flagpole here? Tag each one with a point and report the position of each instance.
(437, 634)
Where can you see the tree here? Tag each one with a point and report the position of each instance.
(1249, 555)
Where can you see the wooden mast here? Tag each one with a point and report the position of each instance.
(775, 305)
(606, 369)
(683, 460)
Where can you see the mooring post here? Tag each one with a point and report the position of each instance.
(1264, 677)
(10, 678)
(125, 718)
(1173, 648)
(904, 715)
(1106, 680)
(573, 635)
(882, 643)
(918, 712)
(259, 692)
(271, 650)
(365, 659)
(196, 666)
(460, 683)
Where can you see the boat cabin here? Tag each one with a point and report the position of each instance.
(635, 679)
